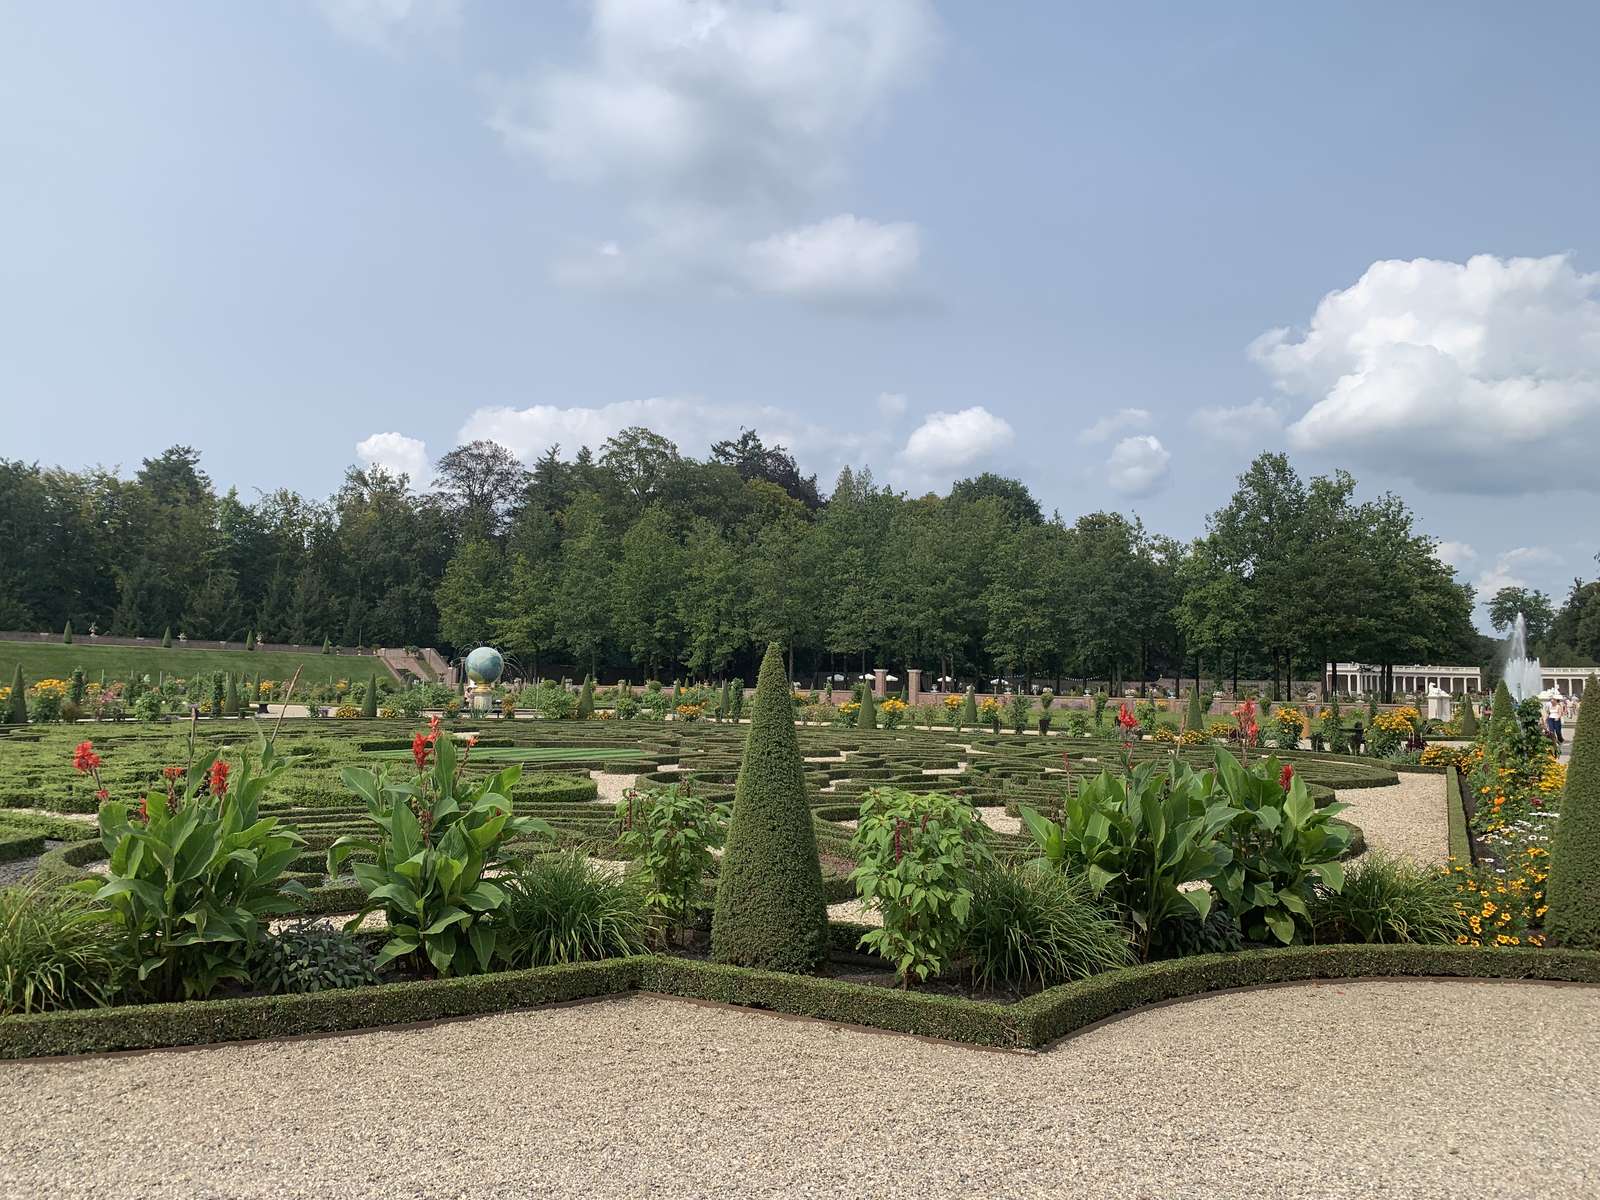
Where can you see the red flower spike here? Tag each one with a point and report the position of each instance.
(1286, 776)
(219, 778)
(84, 758)
(421, 747)
(102, 794)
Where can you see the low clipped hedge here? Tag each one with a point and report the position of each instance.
(1456, 817)
(16, 843)
(1027, 1024)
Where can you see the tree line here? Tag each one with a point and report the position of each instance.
(640, 561)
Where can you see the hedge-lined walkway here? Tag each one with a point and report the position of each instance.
(1331, 1090)
(1407, 818)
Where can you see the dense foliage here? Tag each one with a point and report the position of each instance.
(561, 909)
(1574, 916)
(1033, 928)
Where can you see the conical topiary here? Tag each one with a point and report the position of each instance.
(17, 702)
(1469, 718)
(770, 911)
(1502, 713)
(586, 699)
(725, 707)
(1195, 718)
(969, 711)
(1372, 708)
(66, 634)
(1573, 889)
(738, 698)
(166, 638)
(230, 701)
(369, 702)
(867, 714)
(327, 645)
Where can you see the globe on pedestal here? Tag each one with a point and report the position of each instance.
(484, 665)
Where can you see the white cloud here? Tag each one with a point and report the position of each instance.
(399, 454)
(389, 25)
(716, 122)
(1123, 418)
(1455, 554)
(946, 440)
(845, 258)
(690, 421)
(1137, 466)
(1509, 569)
(1255, 424)
(1476, 376)
(891, 405)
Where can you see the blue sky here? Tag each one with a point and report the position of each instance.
(1053, 240)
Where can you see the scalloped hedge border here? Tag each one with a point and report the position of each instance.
(1027, 1024)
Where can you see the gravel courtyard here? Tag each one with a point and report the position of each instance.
(1324, 1090)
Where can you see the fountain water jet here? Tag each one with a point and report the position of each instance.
(1524, 676)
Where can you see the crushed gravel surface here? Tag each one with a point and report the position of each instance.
(1407, 818)
(1326, 1090)
(609, 788)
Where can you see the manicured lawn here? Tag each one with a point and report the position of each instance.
(534, 754)
(47, 660)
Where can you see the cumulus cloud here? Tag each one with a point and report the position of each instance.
(721, 124)
(1511, 569)
(946, 440)
(391, 25)
(892, 405)
(1137, 466)
(1254, 424)
(690, 421)
(397, 453)
(1114, 423)
(1455, 554)
(1477, 376)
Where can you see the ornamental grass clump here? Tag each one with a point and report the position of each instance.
(771, 912)
(1033, 928)
(58, 950)
(1388, 899)
(918, 857)
(1573, 891)
(562, 909)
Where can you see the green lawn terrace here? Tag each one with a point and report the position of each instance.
(55, 660)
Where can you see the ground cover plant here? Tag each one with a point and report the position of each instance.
(47, 660)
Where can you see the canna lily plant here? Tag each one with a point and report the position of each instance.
(438, 836)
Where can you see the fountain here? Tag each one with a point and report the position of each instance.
(1524, 676)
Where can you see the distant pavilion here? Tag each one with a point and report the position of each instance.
(1358, 679)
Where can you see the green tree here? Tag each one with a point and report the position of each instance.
(770, 910)
(1534, 606)
(1573, 892)
(711, 604)
(581, 614)
(471, 595)
(644, 593)
(1469, 718)
(230, 701)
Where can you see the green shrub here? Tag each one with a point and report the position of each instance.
(1469, 718)
(1033, 928)
(738, 698)
(193, 874)
(58, 950)
(1574, 886)
(66, 634)
(148, 706)
(561, 909)
(311, 957)
(166, 638)
(369, 698)
(867, 714)
(969, 711)
(1100, 699)
(918, 856)
(438, 834)
(554, 702)
(1189, 933)
(671, 834)
(585, 708)
(770, 910)
(16, 711)
(1388, 899)
(1017, 710)
(1195, 718)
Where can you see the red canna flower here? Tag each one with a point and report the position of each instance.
(472, 741)
(144, 810)
(1125, 717)
(219, 777)
(1286, 776)
(421, 747)
(84, 758)
(433, 728)
(102, 794)
(172, 772)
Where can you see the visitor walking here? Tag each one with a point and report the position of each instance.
(1558, 713)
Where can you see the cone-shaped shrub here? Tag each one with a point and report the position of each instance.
(1502, 714)
(166, 638)
(738, 698)
(369, 702)
(586, 699)
(250, 640)
(17, 702)
(770, 911)
(969, 711)
(66, 634)
(1469, 718)
(725, 708)
(327, 645)
(1573, 890)
(1195, 718)
(867, 714)
(1372, 708)
(230, 698)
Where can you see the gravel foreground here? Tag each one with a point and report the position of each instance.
(1393, 1089)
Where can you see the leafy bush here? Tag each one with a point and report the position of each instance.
(148, 706)
(194, 873)
(1386, 899)
(58, 950)
(918, 856)
(771, 911)
(1189, 933)
(1574, 918)
(670, 833)
(1136, 839)
(438, 834)
(311, 957)
(554, 702)
(1035, 928)
(561, 909)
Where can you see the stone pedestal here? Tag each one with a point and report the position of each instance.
(481, 699)
(880, 681)
(913, 685)
(1440, 707)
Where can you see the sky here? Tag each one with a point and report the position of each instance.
(1113, 250)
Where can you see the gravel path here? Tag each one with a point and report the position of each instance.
(1407, 818)
(1328, 1090)
(609, 788)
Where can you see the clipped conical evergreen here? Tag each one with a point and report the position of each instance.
(1573, 889)
(166, 638)
(1195, 718)
(250, 640)
(725, 708)
(586, 699)
(66, 634)
(327, 645)
(867, 714)
(230, 702)
(738, 698)
(17, 702)
(1469, 718)
(771, 912)
(1502, 713)
(969, 711)
(369, 702)
(1372, 708)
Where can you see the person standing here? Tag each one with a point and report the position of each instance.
(1558, 713)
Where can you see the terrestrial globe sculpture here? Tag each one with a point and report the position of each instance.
(484, 667)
